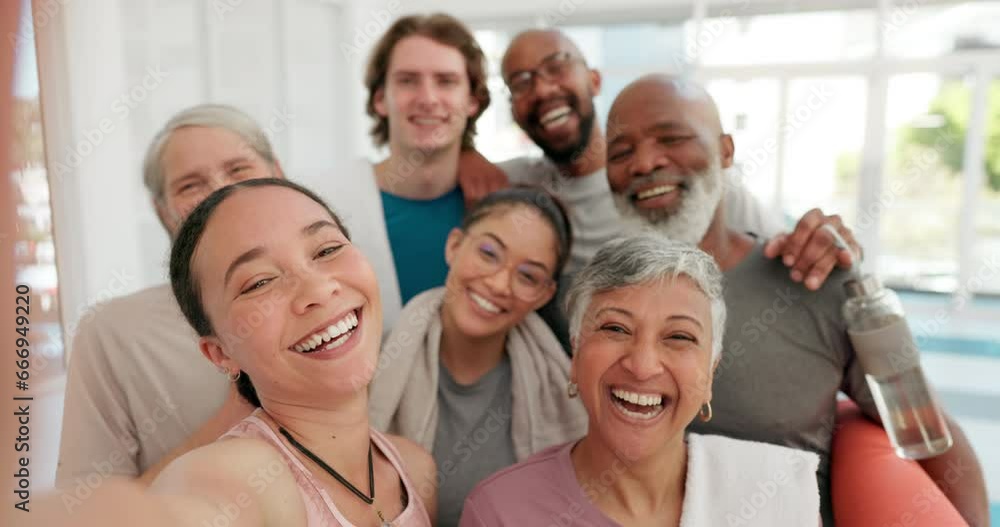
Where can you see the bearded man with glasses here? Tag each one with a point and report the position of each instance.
(552, 92)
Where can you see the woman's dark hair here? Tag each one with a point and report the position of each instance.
(185, 284)
(551, 209)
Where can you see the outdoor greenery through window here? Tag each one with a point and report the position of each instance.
(805, 116)
(34, 250)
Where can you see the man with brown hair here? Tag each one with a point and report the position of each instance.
(426, 81)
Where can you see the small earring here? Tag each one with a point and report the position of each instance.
(706, 412)
(234, 378)
(572, 390)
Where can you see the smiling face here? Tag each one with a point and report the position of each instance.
(666, 154)
(500, 270)
(426, 97)
(643, 364)
(556, 112)
(292, 302)
(197, 161)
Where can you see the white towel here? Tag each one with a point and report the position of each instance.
(403, 396)
(731, 483)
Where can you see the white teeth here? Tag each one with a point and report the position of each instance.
(485, 304)
(645, 416)
(337, 333)
(651, 402)
(556, 123)
(554, 114)
(339, 342)
(656, 191)
(427, 120)
(637, 398)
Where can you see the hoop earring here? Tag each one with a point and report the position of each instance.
(572, 390)
(234, 378)
(706, 412)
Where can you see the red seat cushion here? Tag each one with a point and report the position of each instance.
(873, 486)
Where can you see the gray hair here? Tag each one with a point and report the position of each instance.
(640, 259)
(208, 116)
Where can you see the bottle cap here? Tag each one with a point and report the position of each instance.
(866, 285)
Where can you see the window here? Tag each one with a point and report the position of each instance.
(783, 38)
(801, 94)
(823, 134)
(986, 254)
(34, 251)
(749, 111)
(922, 178)
(913, 30)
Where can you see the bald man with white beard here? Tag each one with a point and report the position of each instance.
(779, 375)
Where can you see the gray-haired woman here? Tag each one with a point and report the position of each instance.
(646, 322)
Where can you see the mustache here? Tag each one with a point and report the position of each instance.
(659, 176)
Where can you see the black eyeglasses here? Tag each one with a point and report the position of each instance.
(552, 68)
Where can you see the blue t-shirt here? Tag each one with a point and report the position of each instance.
(418, 230)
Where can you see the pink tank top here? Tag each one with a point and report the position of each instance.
(320, 509)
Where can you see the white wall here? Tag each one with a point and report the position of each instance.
(127, 65)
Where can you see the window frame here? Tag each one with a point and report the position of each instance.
(981, 66)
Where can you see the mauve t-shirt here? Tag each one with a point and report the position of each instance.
(548, 495)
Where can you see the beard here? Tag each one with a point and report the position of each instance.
(566, 154)
(701, 193)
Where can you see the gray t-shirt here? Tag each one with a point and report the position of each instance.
(785, 356)
(473, 438)
(588, 201)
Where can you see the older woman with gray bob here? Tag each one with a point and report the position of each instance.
(646, 319)
(136, 365)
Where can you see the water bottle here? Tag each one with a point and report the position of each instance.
(883, 344)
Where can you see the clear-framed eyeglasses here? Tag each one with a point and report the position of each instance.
(528, 282)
